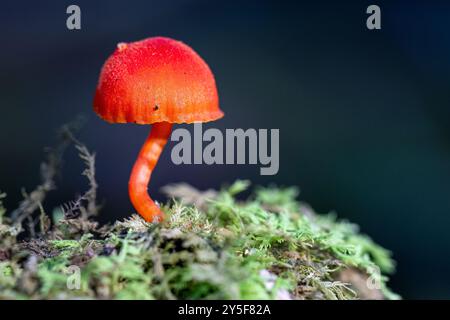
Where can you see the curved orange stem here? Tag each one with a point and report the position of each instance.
(142, 171)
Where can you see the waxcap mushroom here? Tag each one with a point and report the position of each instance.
(157, 81)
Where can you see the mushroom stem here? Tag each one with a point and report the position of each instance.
(142, 171)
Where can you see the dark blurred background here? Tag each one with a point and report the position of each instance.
(364, 116)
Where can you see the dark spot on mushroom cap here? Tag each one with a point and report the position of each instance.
(156, 107)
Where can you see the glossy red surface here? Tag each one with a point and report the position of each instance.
(155, 80)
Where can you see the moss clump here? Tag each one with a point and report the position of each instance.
(268, 247)
(211, 246)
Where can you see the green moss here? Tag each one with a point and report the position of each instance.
(268, 247)
(211, 246)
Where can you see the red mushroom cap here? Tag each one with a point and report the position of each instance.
(156, 80)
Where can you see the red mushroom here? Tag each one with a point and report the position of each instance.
(156, 81)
